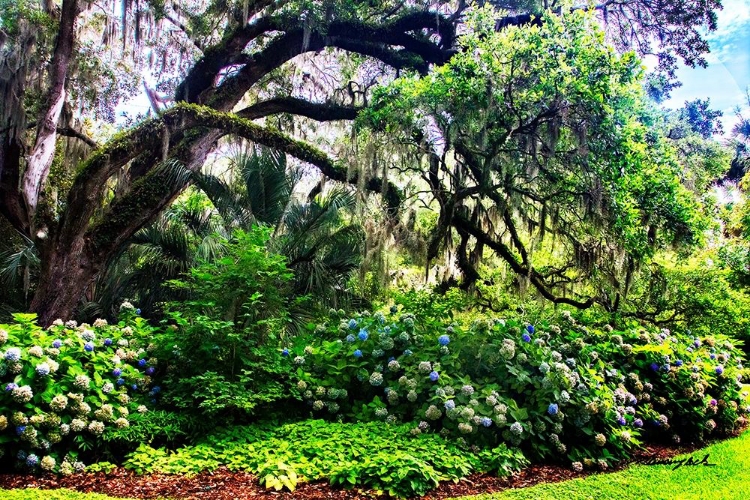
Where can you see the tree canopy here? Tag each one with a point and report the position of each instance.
(275, 73)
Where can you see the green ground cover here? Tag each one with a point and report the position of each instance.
(729, 479)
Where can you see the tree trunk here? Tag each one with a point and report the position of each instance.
(66, 273)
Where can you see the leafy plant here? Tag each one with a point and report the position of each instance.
(371, 455)
(63, 387)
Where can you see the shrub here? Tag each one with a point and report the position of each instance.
(563, 391)
(221, 349)
(64, 386)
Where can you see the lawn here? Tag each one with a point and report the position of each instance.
(729, 479)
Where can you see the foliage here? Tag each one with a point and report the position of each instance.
(549, 129)
(315, 232)
(220, 349)
(372, 455)
(701, 298)
(64, 386)
(186, 233)
(566, 391)
(155, 428)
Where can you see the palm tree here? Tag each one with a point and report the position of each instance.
(187, 232)
(314, 231)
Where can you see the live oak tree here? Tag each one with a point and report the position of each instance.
(218, 67)
(536, 141)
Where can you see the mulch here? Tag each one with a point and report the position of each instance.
(223, 484)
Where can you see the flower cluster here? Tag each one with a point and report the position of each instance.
(37, 414)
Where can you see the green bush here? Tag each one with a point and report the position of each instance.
(565, 392)
(373, 455)
(221, 349)
(63, 387)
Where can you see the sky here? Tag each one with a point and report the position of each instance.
(727, 77)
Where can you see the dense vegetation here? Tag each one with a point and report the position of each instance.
(507, 250)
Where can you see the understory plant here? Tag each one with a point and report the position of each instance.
(560, 391)
(64, 386)
(372, 455)
(220, 347)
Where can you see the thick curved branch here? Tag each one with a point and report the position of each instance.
(77, 134)
(321, 112)
(392, 43)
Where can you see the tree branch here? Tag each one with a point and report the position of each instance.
(464, 225)
(40, 159)
(317, 111)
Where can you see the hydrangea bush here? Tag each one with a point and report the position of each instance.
(62, 387)
(564, 391)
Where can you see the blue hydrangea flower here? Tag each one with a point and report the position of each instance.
(712, 356)
(363, 335)
(285, 352)
(444, 340)
(150, 370)
(88, 346)
(20, 429)
(134, 387)
(10, 387)
(138, 312)
(120, 381)
(621, 420)
(408, 352)
(357, 353)
(719, 370)
(450, 404)
(116, 372)
(697, 343)
(156, 389)
(351, 338)
(678, 362)
(13, 354)
(57, 343)
(525, 337)
(42, 369)
(638, 423)
(32, 460)
(141, 362)
(107, 342)
(21, 455)
(553, 409)
(485, 421)
(530, 329)
(666, 367)
(352, 323)
(434, 376)
(655, 367)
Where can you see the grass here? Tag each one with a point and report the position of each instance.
(729, 479)
(62, 494)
